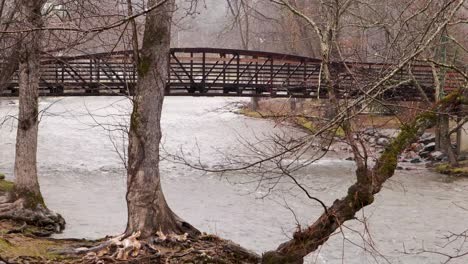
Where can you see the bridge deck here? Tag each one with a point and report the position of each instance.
(223, 72)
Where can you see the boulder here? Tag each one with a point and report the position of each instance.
(410, 155)
(463, 157)
(416, 147)
(382, 141)
(370, 131)
(424, 154)
(426, 135)
(429, 147)
(437, 155)
(389, 133)
(416, 160)
(427, 140)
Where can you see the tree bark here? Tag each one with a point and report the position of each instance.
(26, 182)
(148, 211)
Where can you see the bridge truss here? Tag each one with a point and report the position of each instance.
(227, 72)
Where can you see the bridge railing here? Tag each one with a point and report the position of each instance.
(227, 72)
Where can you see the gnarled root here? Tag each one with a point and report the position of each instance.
(166, 248)
(46, 221)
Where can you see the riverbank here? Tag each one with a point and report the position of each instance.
(375, 131)
(19, 247)
(23, 243)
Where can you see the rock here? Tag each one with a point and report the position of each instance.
(416, 147)
(399, 168)
(437, 155)
(416, 160)
(424, 154)
(427, 140)
(350, 158)
(2, 177)
(463, 157)
(426, 135)
(429, 147)
(389, 133)
(410, 155)
(370, 131)
(382, 141)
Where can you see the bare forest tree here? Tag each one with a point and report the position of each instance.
(148, 211)
(25, 201)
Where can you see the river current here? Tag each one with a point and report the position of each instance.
(82, 176)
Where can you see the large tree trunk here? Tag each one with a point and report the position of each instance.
(26, 182)
(25, 203)
(148, 211)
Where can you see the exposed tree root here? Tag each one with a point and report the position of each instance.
(164, 248)
(45, 221)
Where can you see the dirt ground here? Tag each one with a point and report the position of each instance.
(24, 247)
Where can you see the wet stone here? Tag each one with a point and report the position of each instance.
(424, 154)
(437, 155)
(430, 147)
(382, 142)
(427, 140)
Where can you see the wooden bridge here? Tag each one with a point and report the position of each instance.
(226, 72)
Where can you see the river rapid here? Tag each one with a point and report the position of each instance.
(82, 176)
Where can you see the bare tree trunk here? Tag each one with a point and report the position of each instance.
(148, 211)
(25, 202)
(26, 139)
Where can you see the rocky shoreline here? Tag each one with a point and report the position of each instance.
(375, 139)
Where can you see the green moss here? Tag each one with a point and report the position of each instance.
(250, 113)
(28, 248)
(6, 186)
(389, 159)
(428, 116)
(32, 199)
(2, 176)
(339, 132)
(306, 123)
(447, 169)
(144, 66)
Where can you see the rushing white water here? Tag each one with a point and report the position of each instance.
(83, 178)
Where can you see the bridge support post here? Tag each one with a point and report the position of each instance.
(292, 104)
(254, 103)
(462, 139)
(462, 133)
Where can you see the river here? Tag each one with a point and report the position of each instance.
(83, 177)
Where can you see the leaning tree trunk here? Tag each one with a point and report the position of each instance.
(368, 183)
(25, 203)
(148, 211)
